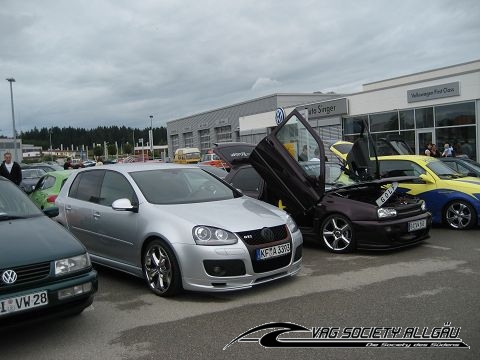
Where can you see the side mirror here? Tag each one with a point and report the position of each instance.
(427, 178)
(124, 205)
(51, 212)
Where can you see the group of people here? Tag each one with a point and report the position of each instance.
(432, 150)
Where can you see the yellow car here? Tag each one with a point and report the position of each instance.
(452, 198)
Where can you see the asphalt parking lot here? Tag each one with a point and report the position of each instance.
(424, 286)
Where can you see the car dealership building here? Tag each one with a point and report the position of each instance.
(438, 106)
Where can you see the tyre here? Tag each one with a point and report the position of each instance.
(460, 215)
(337, 234)
(161, 270)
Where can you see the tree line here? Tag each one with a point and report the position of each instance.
(68, 136)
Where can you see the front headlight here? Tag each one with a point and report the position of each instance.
(386, 213)
(68, 265)
(210, 236)
(291, 224)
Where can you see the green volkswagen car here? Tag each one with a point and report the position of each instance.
(44, 270)
(48, 187)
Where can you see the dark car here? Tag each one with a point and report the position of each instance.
(44, 270)
(344, 214)
(30, 178)
(463, 166)
(43, 166)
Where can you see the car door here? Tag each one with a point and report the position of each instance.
(280, 160)
(117, 231)
(79, 205)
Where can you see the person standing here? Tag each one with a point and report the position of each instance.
(11, 169)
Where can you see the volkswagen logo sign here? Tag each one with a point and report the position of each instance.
(279, 116)
(267, 234)
(9, 276)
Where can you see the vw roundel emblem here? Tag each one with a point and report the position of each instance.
(267, 234)
(9, 276)
(279, 116)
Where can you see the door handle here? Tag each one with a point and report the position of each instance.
(68, 208)
(96, 214)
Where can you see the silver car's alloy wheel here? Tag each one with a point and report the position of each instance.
(160, 269)
(337, 234)
(460, 215)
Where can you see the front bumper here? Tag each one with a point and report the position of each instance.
(196, 275)
(390, 234)
(55, 307)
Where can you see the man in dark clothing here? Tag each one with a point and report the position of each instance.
(11, 169)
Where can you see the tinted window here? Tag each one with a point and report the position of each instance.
(393, 168)
(13, 202)
(384, 122)
(407, 120)
(86, 186)
(454, 115)
(246, 179)
(115, 187)
(424, 117)
(48, 182)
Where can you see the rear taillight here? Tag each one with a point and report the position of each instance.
(51, 198)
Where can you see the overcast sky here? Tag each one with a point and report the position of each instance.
(99, 62)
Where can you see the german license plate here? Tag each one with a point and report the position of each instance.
(417, 225)
(273, 251)
(23, 302)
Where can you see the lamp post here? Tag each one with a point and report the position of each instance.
(50, 134)
(11, 80)
(151, 136)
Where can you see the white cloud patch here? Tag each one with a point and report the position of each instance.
(105, 62)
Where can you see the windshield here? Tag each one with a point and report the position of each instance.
(181, 186)
(442, 170)
(14, 203)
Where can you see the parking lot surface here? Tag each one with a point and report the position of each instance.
(425, 286)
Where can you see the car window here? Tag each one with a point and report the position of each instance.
(115, 186)
(86, 186)
(246, 179)
(393, 168)
(180, 186)
(14, 203)
(48, 182)
(300, 144)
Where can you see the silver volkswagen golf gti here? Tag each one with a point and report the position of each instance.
(178, 227)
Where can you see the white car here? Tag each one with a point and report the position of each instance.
(179, 227)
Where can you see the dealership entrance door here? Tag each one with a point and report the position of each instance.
(424, 137)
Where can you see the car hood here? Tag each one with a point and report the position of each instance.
(235, 215)
(471, 183)
(34, 240)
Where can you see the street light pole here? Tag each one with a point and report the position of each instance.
(151, 137)
(51, 154)
(11, 80)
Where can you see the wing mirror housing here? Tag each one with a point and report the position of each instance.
(124, 205)
(51, 212)
(427, 178)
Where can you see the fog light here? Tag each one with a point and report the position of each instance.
(75, 290)
(219, 271)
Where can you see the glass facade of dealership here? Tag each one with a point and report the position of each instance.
(453, 123)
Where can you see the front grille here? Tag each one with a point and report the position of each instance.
(28, 273)
(254, 237)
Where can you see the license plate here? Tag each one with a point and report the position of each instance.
(23, 302)
(273, 251)
(417, 225)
